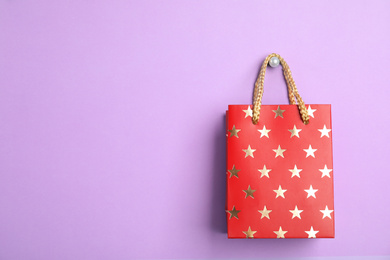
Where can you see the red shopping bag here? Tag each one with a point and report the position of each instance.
(279, 167)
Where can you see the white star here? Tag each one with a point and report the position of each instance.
(295, 172)
(248, 112)
(264, 132)
(249, 152)
(310, 151)
(311, 192)
(279, 151)
(296, 212)
(325, 171)
(311, 111)
(324, 131)
(280, 233)
(264, 172)
(294, 132)
(265, 212)
(312, 233)
(326, 213)
(280, 192)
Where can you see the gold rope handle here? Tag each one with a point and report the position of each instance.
(292, 90)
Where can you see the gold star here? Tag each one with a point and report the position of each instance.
(279, 151)
(278, 112)
(264, 172)
(234, 131)
(325, 171)
(294, 132)
(311, 192)
(324, 131)
(233, 172)
(248, 112)
(265, 212)
(310, 151)
(280, 233)
(326, 213)
(249, 192)
(311, 111)
(296, 212)
(312, 233)
(295, 172)
(249, 233)
(249, 152)
(264, 132)
(280, 192)
(233, 212)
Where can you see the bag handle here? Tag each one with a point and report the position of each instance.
(292, 90)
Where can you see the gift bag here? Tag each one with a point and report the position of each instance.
(279, 167)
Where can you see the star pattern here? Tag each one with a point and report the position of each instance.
(249, 233)
(248, 112)
(294, 131)
(295, 172)
(249, 152)
(264, 132)
(280, 233)
(311, 233)
(265, 212)
(261, 213)
(326, 212)
(279, 152)
(234, 131)
(278, 112)
(233, 212)
(296, 212)
(280, 192)
(311, 192)
(310, 152)
(249, 192)
(324, 131)
(325, 172)
(264, 172)
(233, 172)
(311, 111)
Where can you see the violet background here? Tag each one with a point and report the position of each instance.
(112, 122)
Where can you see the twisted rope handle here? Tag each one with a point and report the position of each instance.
(292, 90)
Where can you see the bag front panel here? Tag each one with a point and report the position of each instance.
(279, 173)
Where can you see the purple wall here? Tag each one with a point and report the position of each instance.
(112, 122)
